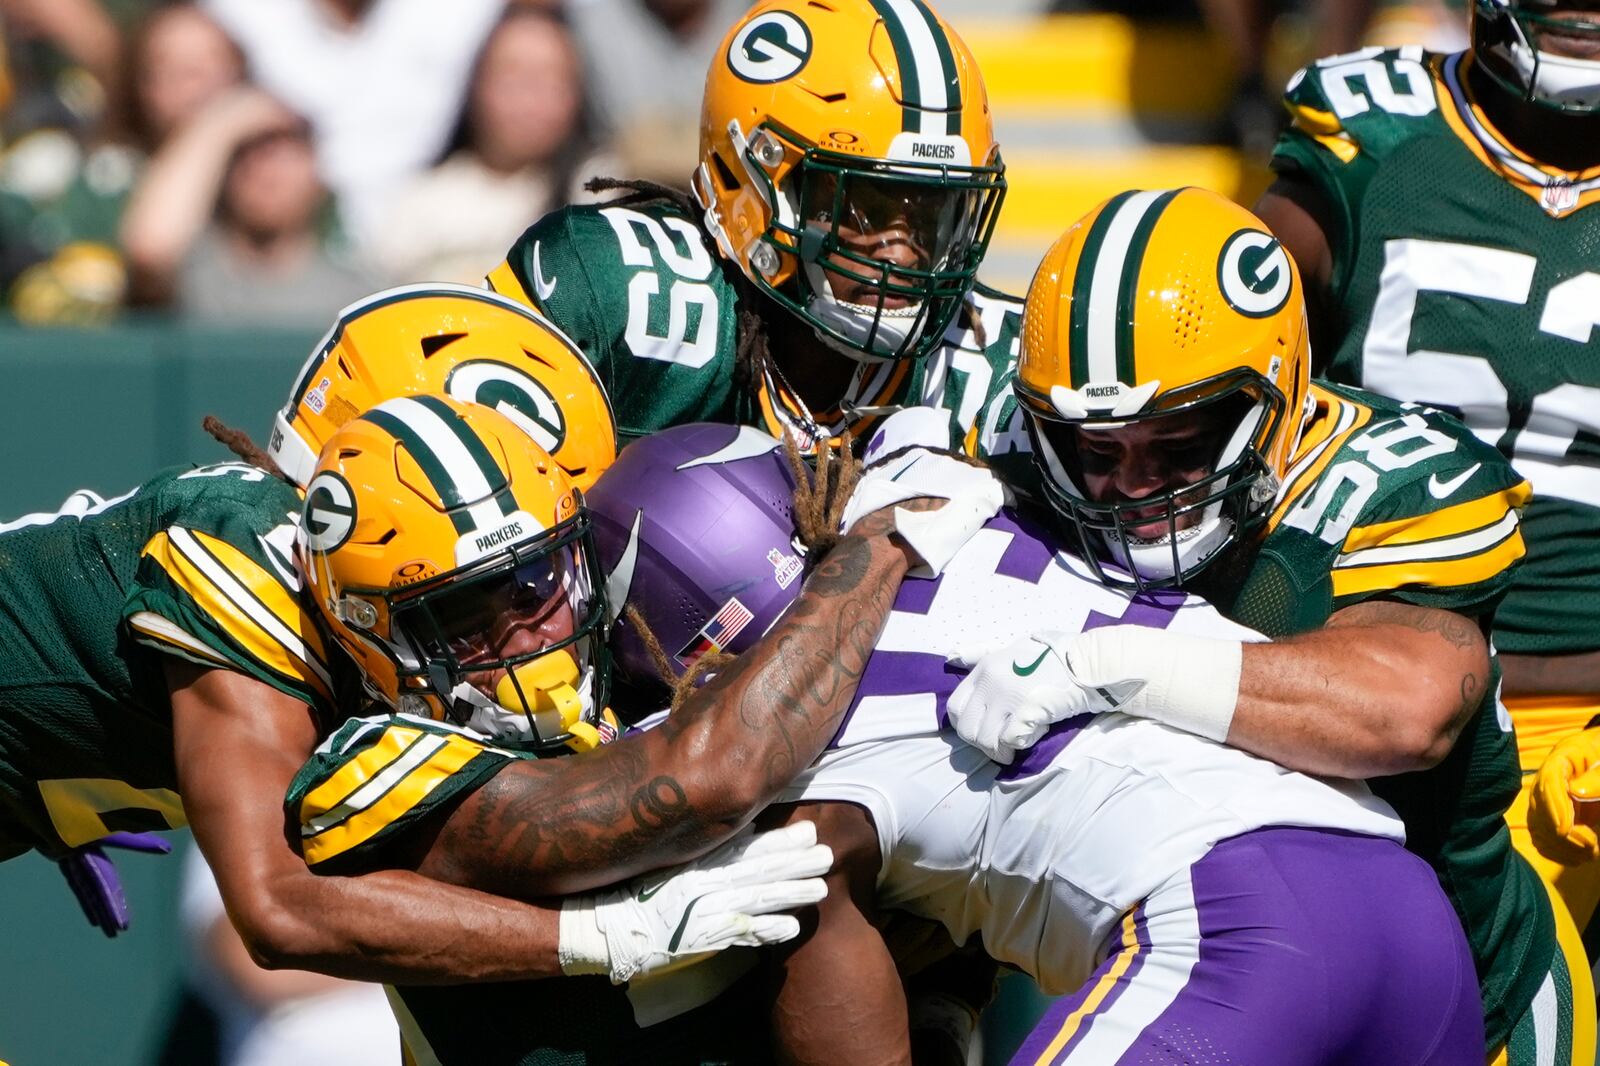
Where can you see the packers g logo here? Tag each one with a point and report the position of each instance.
(770, 48)
(517, 395)
(1253, 273)
(330, 512)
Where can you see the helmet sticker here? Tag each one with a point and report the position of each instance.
(771, 47)
(1253, 273)
(330, 512)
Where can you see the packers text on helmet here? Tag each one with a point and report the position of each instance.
(848, 167)
(453, 560)
(1164, 376)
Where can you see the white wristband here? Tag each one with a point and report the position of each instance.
(1190, 683)
(583, 948)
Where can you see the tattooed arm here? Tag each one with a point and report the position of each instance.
(1384, 688)
(565, 825)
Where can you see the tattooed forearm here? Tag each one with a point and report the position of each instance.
(568, 824)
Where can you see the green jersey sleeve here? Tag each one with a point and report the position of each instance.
(979, 393)
(374, 778)
(216, 583)
(640, 290)
(1404, 504)
(1348, 113)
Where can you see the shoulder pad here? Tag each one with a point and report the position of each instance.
(1406, 498)
(376, 776)
(1361, 102)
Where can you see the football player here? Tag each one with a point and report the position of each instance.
(461, 578)
(823, 268)
(157, 646)
(1169, 950)
(1442, 207)
(1164, 378)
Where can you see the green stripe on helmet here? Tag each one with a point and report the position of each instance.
(1128, 286)
(433, 467)
(1082, 279)
(947, 64)
(910, 89)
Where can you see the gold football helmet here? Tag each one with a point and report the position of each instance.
(1176, 318)
(473, 345)
(455, 563)
(848, 166)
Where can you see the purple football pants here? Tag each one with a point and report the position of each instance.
(1281, 947)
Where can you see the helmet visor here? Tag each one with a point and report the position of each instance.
(898, 244)
(526, 601)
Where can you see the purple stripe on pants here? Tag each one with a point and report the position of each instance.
(1316, 948)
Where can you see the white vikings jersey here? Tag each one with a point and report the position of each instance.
(1044, 856)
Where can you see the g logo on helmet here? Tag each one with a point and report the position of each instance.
(330, 512)
(1253, 273)
(519, 396)
(770, 48)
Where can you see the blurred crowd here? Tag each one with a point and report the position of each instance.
(243, 162)
(237, 161)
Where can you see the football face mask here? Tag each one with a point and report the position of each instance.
(1545, 51)
(509, 646)
(849, 168)
(453, 560)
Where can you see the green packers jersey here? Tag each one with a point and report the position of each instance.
(195, 563)
(642, 291)
(1466, 276)
(1385, 500)
(375, 779)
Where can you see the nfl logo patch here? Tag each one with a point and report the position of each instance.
(717, 633)
(1558, 197)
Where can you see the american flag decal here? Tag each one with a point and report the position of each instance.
(718, 633)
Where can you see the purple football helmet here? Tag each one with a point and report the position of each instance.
(695, 526)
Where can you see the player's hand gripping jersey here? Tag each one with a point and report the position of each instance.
(194, 563)
(1465, 277)
(642, 291)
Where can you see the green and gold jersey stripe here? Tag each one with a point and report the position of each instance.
(246, 603)
(379, 786)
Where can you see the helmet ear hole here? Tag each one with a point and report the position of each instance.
(727, 181)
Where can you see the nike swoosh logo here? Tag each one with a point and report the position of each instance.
(645, 894)
(1440, 489)
(620, 581)
(1024, 671)
(747, 444)
(541, 288)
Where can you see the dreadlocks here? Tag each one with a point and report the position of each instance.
(820, 494)
(239, 443)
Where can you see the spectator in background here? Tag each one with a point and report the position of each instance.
(647, 61)
(524, 145)
(232, 223)
(275, 1017)
(64, 190)
(380, 81)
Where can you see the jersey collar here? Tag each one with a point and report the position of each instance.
(1559, 192)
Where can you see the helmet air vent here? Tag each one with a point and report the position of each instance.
(431, 345)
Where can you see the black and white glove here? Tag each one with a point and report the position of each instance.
(731, 897)
(916, 441)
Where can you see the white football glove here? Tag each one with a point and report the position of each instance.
(728, 898)
(973, 494)
(1014, 693)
